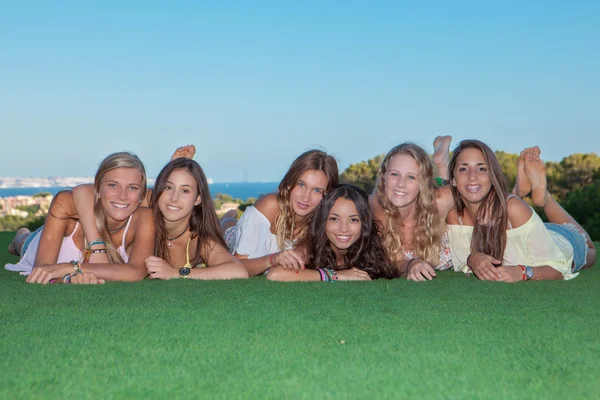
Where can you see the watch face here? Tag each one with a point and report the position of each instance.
(184, 271)
(529, 273)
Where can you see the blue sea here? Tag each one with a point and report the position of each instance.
(237, 190)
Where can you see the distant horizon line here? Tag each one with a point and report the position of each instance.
(31, 180)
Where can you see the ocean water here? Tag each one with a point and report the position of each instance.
(237, 190)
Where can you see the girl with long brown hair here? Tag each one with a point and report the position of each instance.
(59, 249)
(498, 236)
(188, 234)
(343, 242)
(188, 241)
(411, 211)
(265, 234)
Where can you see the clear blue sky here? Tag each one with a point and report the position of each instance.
(253, 84)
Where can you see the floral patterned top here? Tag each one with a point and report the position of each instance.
(445, 254)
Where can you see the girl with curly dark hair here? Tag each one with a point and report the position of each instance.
(343, 242)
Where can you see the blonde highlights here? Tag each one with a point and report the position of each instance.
(113, 161)
(426, 243)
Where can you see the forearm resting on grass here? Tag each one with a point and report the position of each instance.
(278, 273)
(254, 266)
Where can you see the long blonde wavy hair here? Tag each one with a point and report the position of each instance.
(114, 161)
(426, 242)
(311, 159)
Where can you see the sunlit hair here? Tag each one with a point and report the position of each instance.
(114, 161)
(426, 243)
(312, 159)
(367, 253)
(491, 221)
(204, 223)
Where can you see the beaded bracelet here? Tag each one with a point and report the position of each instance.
(324, 276)
(95, 242)
(76, 266)
(94, 251)
(67, 278)
(332, 275)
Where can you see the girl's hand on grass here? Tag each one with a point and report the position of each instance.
(420, 271)
(353, 274)
(289, 259)
(86, 278)
(510, 274)
(484, 266)
(160, 269)
(45, 273)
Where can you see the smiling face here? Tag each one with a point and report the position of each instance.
(343, 226)
(120, 193)
(402, 180)
(472, 176)
(308, 192)
(179, 197)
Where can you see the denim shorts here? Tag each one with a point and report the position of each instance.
(29, 239)
(577, 239)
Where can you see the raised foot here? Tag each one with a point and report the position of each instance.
(187, 151)
(535, 169)
(522, 184)
(441, 150)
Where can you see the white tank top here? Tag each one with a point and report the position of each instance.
(68, 251)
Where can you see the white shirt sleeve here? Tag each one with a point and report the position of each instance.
(252, 236)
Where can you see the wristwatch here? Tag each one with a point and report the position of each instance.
(528, 272)
(184, 272)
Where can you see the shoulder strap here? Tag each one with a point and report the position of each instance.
(125, 233)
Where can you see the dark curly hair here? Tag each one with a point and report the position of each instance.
(367, 253)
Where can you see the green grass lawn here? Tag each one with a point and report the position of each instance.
(454, 337)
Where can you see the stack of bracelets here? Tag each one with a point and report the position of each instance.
(328, 275)
(86, 256)
(89, 251)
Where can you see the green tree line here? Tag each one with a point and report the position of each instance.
(574, 182)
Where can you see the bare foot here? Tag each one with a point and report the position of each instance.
(16, 245)
(187, 151)
(523, 184)
(229, 214)
(536, 172)
(441, 150)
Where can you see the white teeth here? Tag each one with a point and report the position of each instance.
(473, 188)
(343, 238)
(120, 205)
(173, 208)
(399, 194)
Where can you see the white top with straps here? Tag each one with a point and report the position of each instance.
(67, 253)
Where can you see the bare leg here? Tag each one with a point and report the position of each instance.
(16, 245)
(555, 213)
(441, 155)
(187, 151)
(228, 220)
(558, 215)
(523, 184)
